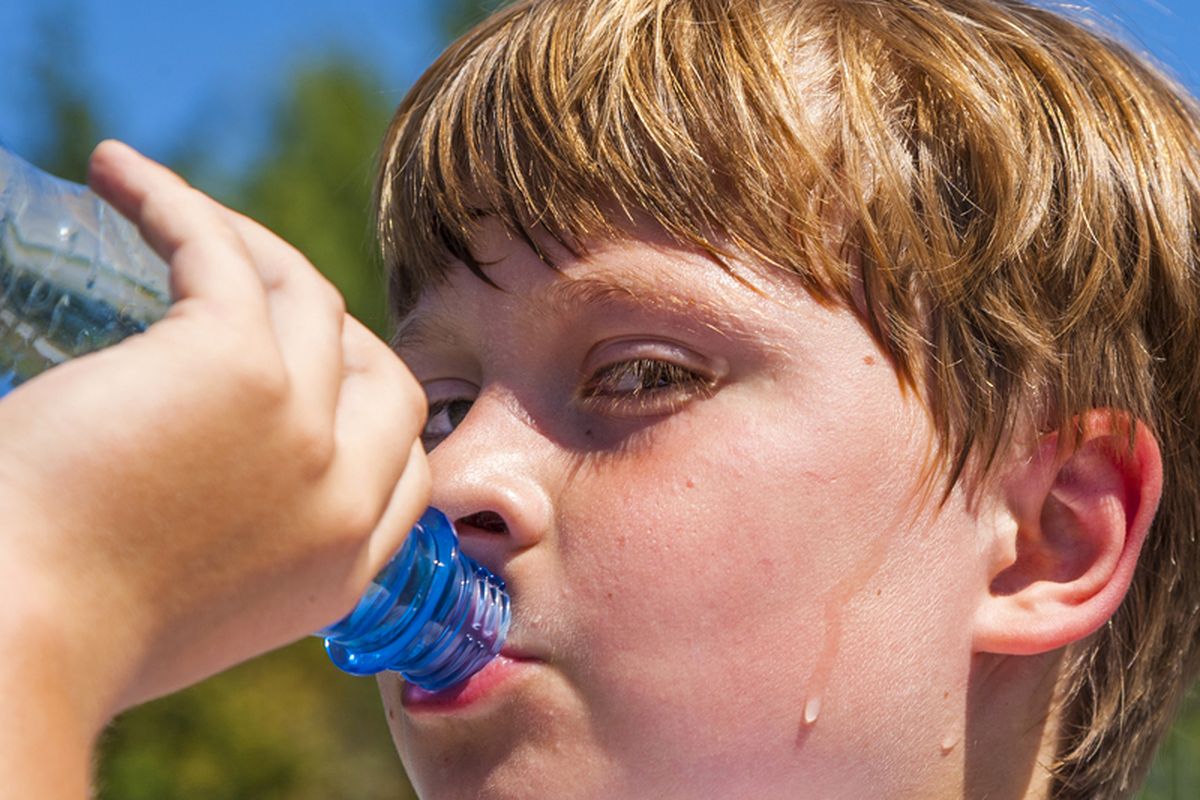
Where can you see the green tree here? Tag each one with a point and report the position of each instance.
(1176, 771)
(66, 119)
(314, 186)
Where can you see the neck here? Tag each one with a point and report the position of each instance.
(1011, 730)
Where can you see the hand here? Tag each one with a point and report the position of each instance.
(218, 486)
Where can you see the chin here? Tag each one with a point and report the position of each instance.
(523, 771)
(529, 741)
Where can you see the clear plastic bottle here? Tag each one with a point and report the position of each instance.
(75, 276)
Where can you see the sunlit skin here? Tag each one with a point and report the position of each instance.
(720, 564)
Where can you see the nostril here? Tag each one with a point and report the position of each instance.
(488, 521)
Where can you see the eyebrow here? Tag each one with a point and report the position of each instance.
(609, 290)
(570, 294)
(415, 332)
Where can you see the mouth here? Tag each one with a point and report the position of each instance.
(501, 673)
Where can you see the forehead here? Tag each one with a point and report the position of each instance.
(642, 271)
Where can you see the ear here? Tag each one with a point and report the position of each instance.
(1066, 538)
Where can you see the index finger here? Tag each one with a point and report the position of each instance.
(208, 259)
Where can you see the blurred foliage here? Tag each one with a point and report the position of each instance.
(68, 125)
(1176, 771)
(289, 725)
(314, 186)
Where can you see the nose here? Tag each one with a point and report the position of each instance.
(490, 477)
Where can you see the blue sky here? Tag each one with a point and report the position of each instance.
(156, 68)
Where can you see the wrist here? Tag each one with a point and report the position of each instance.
(59, 655)
(50, 727)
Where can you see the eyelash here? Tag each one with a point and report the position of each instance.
(658, 388)
(430, 439)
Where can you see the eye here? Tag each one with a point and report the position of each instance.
(444, 416)
(643, 386)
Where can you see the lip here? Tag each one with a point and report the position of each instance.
(489, 682)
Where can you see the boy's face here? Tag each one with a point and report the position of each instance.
(723, 582)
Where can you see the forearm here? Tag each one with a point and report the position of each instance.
(61, 672)
(47, 737)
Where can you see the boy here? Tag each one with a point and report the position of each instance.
(820, 377)
(812, 371)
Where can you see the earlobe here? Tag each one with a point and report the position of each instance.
(1066, 540)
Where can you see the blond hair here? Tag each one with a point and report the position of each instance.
(1015, 198)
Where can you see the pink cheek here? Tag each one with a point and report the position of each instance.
(673, 562)
(774, 509)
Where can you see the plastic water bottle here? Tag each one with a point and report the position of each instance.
(432, 614)
(76, 276)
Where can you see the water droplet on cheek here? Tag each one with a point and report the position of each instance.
(812, 710)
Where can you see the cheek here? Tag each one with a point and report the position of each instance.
(743, 504)
(683, 599)
(741, 553)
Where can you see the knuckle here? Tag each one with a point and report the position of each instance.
(352, 523)
(158, 214)
(411, 392)
(333, 299)
(262, 381)
(313, 448)
(423, 483)
(406, 422)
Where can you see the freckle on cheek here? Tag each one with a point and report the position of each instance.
(868, 360)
